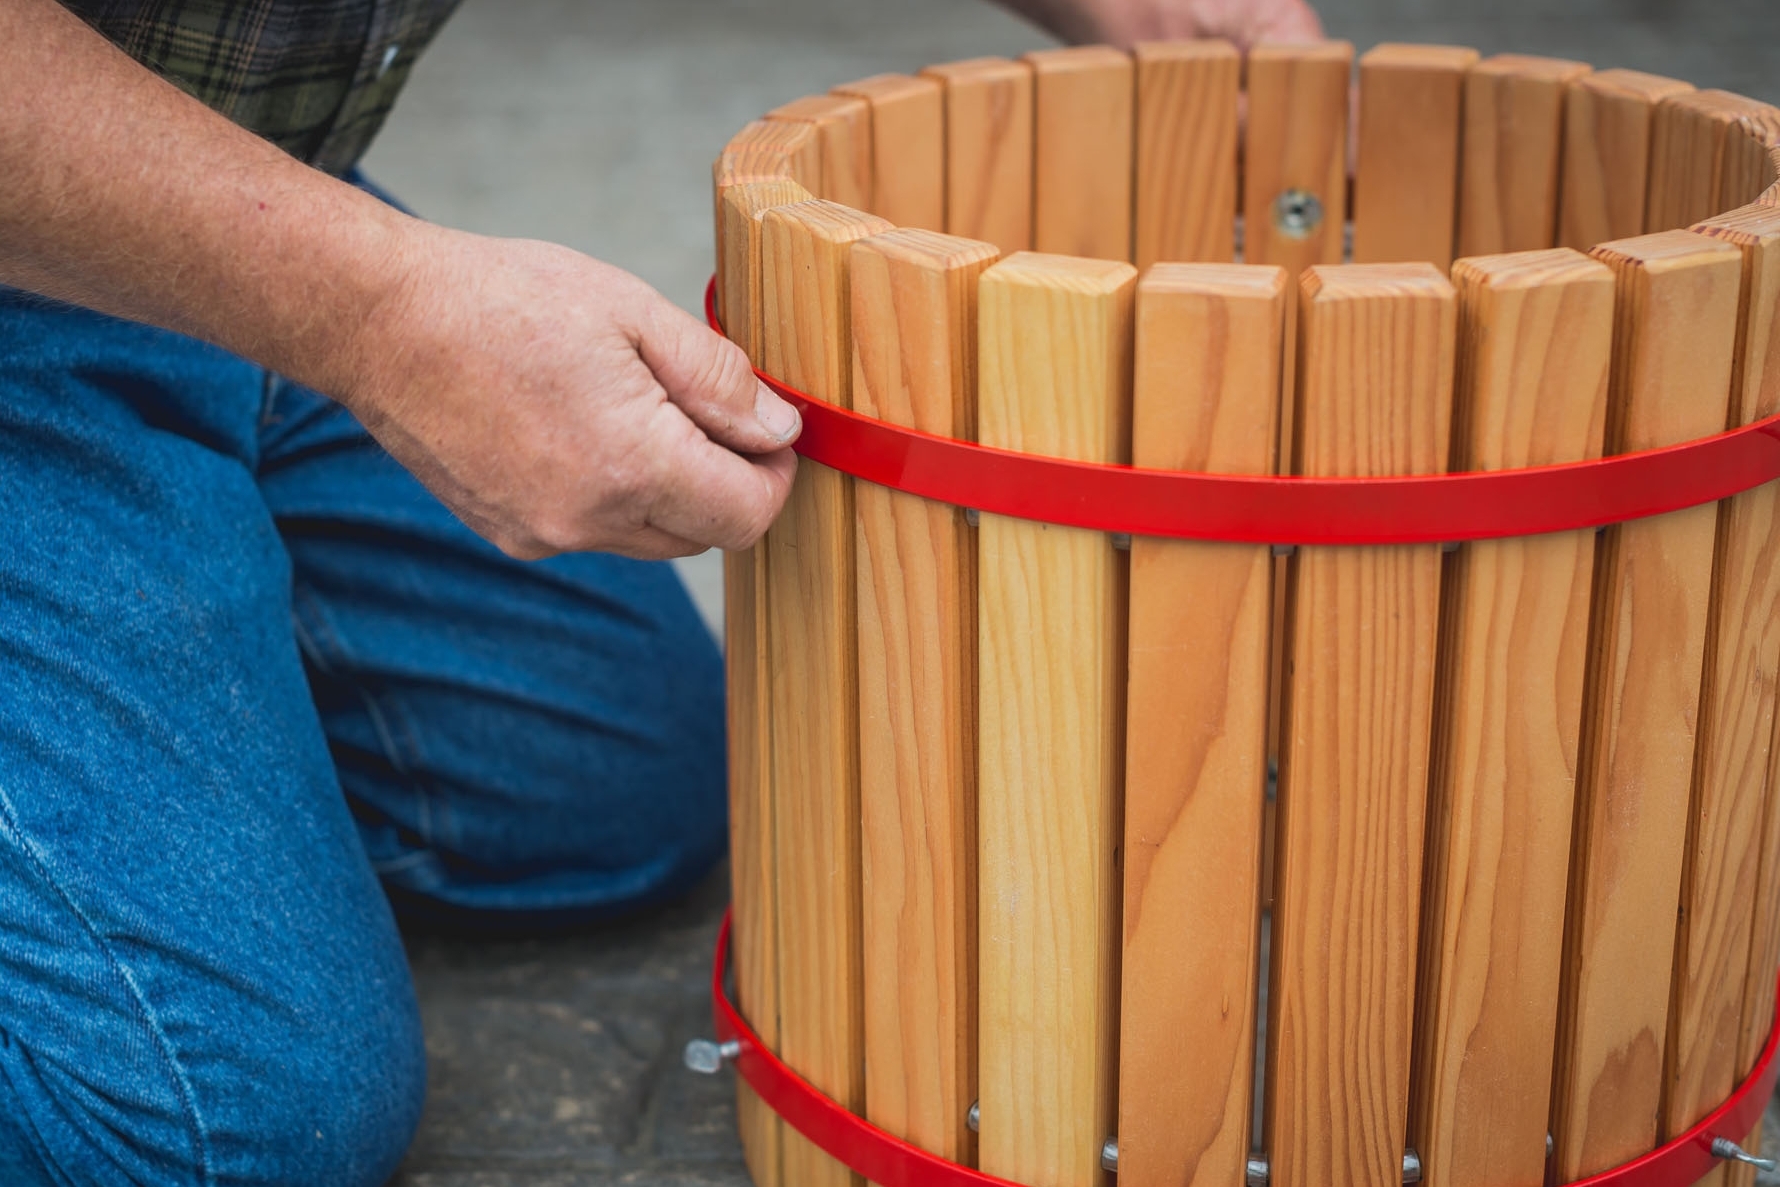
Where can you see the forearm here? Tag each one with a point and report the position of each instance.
(124, 194)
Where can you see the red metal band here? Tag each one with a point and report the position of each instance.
(891, 1162)
(1429, 509)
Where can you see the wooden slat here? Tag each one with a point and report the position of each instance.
(1607, 124)
(1406, 181)
(1083, 101)
(843, 132)
(1745, 170)
(1736, 724)
(1535, 342)
(1514, 122)
(739, 210)
(1755, 516)
(814, 680)
(1675, 328)
(908, 148)
(1296, 140)
(1687, 142)
(1055, 367)
(914, 364)
(754, 940)
(988, 150)
(1209, 343)
(764, 151)
(1375, 375)
(1187, 95)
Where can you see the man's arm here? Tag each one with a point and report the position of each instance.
(555, 403)
(1126, 22)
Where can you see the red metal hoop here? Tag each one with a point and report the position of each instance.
(1429, 509)
(891, 1162)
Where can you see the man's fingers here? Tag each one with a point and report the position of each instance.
(709, 379)
(1285, 20)
(716, 497)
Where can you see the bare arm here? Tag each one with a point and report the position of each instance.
(554, 402)
(1125, 22)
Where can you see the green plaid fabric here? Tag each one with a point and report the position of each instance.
(315, 77)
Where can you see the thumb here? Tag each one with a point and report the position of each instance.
(709, 378)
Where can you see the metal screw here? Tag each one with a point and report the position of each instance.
(707, 1058)
(973, 517)
(1412, 1167)
(1297, 214)
(1550, 1145)
(1256, 1174)
(1731, 1152)
(1109, 1155)
(974, 1118)
(1121, 541)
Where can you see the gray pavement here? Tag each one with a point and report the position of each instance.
(593, 123)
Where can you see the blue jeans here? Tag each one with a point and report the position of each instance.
(250, 670)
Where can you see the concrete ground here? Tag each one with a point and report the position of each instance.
(593, 123)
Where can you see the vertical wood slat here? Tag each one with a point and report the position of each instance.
(763, 151)
(1535, 342)
(1514, 120)
(1207, 378)
(1187, 99)
(1374, 385)
(843, 133)
(1406, 180)
(1745, 168)
(908, 148)
(1736, 722)
(1748, 650)
(1687, 143)
(1055, 366)
(1607, 130)
(812, 645)
(754, 939)
(914, 364)
(1673, 338)
(1083, 100)
(988, 150)
(1296, 140)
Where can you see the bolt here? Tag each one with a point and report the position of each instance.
(1297, 214)
(707, 1058)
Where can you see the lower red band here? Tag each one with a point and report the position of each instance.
(890, 1162)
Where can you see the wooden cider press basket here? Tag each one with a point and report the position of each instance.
(1147, 758)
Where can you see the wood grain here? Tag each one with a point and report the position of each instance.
(1514, 122)
(1687, 144)
(1746, 170)
(1207, 381)
(1723, 964)
(763, 151)
(1607, 125)
(1296, 140)
(1674, 333)
(844, 135)
(1187, 96)
(753, 901)
(1406, 181)
(739, 210)
(914, 364)
(1083, 108)
(1374, 388)
(812, 644)
(1055, 359)
(908, 148)
(988, 150)
(1535, 343)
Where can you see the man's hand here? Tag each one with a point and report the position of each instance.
(553, 402)
(558, 404)
(1126, 22)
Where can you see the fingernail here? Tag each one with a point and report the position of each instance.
(778, 418)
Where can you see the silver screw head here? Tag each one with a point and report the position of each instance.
(1297, 213)
(707, 1058)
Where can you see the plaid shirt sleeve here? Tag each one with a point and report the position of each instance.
(315, 77)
